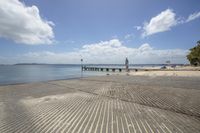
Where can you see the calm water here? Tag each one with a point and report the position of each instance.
(12, 74)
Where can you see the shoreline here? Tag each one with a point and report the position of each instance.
(148, 73)
(142, 71)
(22, 83)
(46, 81)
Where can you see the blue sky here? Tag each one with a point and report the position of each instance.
(100, 31)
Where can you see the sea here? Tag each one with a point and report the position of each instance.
(28, 73)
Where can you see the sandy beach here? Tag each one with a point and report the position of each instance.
(178, 71)
(102, 104)
(183, 73)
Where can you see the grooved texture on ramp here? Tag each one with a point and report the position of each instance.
(85, 106)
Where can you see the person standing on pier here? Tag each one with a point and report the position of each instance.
(126, 64)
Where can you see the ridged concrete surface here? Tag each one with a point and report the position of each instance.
(99, 106)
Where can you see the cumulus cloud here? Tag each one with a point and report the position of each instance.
(160, 23)
(164, 21)
(106, 52)
(193, 16)
(23, 24)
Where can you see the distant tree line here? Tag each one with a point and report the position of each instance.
(194, 55)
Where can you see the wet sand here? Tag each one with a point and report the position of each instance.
(104, 104)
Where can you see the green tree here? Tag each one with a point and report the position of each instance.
(194, 55)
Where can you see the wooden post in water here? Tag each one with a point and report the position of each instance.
(81, 68)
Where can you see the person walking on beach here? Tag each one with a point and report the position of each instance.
(126, 64)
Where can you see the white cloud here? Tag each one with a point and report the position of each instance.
(145, 47)
(164, 22)
(23, 24)
(138, 27)
(193, 16)
(105, 52)
(160, 23)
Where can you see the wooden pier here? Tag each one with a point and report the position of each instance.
(115, 69)
(103, 69)
(112, 69)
